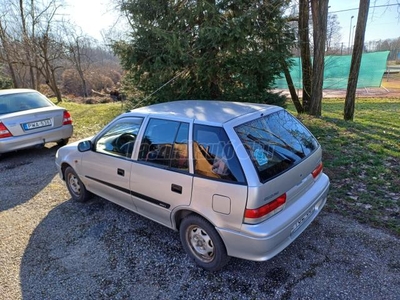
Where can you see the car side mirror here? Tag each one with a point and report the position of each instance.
(84, 146)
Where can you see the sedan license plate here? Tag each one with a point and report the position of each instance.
(37, 124)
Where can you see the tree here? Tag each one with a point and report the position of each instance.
(295, 98)
(79, 50)
(26, 35)
(50, 62)
(349, 103)
(319, 13)
(305, 53)
(5, 81)
(312, 72)
(333, 32)
(50, 55)
(28, 38)
(204, 49)
(6, 49)
(392, 45)
(37, 45)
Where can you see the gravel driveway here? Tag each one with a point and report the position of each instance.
(54, 248)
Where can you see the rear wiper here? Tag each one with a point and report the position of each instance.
(265, 146)
(268, 148)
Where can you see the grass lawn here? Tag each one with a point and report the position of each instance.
(362, 157)
(91, 118)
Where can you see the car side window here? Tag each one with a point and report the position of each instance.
(214, 155)
(165, 143)
(119, 139)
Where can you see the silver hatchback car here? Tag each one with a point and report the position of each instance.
(28, 118)
(235, 179)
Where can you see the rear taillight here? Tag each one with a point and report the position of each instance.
(67, 118)
(4, 132)
(257, 215)
(317, 170)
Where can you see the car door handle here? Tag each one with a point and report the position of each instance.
(176, 188)
(121, 172)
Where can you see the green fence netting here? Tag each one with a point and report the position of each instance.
(337, 68)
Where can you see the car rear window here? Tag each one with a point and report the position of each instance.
(22, 101)
(275, 143)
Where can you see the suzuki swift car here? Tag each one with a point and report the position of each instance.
(28, 119)
(235, 179)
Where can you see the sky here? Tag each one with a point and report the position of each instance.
(96, 16)
(383, 19)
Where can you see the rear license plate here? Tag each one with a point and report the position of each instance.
(37, 124)
(301, 221)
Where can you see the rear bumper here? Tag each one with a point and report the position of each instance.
(40, 138)
(265, 240)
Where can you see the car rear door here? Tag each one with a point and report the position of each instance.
(219, 186)
(160, 180)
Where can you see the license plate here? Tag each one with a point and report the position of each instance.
(37, 124)
(301, 221)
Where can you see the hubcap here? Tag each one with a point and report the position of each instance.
(74, 184)
(200, 243)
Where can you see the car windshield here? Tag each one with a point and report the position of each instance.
(275, 143)
(22, 101)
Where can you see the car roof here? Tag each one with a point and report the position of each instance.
(209, 111)
(16, 91)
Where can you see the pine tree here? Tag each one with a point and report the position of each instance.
(205, 49)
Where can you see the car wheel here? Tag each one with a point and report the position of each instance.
(75, 186)
(202, 243)
(62, 142)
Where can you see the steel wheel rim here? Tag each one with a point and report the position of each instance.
(74, 184)
(200, 243)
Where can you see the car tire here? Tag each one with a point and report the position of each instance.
(63, 142)
(75, 186)
(202, 243)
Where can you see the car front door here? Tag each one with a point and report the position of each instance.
(107, 168)
(160, 179)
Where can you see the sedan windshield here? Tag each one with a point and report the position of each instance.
(275, 143)
(22, 101)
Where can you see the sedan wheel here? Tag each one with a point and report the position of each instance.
(75, 186)
(203, 243)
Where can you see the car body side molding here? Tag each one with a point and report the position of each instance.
(133, 193)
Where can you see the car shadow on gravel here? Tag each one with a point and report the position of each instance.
(99, 250)
(25, 173)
